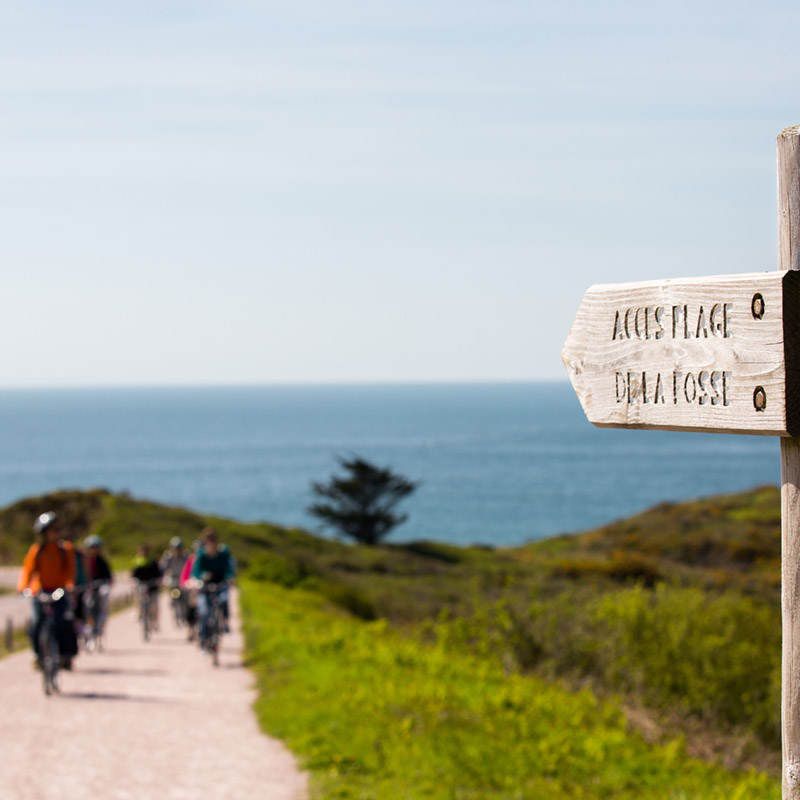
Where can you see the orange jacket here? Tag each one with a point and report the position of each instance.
(53, 569)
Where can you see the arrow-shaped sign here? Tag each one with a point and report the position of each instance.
(717, 354)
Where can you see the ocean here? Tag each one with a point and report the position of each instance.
(499, 464)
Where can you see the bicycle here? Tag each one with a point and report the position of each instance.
(95, 605)
(49, 654)
(177, 602)
(147, 600)
(215, 622)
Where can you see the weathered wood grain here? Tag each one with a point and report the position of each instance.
(705, 354)
(789, 259)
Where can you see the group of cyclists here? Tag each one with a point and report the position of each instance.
(70, 584)
(193, 579)
(71, 579)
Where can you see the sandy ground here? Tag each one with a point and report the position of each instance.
(8, 576)
(140, 720)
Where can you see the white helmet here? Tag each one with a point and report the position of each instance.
(44, 521)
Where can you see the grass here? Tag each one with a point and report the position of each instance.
(373, 714)
(19, 641)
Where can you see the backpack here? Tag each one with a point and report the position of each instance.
(61, 549)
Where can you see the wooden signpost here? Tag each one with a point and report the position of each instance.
(712, 354)
(718, 354)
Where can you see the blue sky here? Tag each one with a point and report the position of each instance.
(260, 192)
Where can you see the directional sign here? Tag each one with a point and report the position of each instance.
(719, 354)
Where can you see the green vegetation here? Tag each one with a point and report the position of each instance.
(698, 661)
(19, 641)
(663, 632)
(360, 504)
(124, 522)
(377, 715)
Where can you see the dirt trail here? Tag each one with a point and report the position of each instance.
(139, 721)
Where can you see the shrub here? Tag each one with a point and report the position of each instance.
(716, 657)
(350, 598)
(622, 566)
(277, 569)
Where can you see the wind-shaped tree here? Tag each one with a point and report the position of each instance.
(361, 502)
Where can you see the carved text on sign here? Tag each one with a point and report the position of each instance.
(676, 322)
(715, 354)
(703, 387)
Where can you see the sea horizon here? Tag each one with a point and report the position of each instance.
(280, 384)
(500, 462)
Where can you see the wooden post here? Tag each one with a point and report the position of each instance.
(789, 259)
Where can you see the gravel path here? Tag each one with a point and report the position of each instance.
(141, 720)
(8, 576)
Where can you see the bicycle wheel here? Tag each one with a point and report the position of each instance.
(212, 634)
(49, 656)
(55, 660)
(44, 657)
(89, 637)
(219, 624)
(85, 635)
(178, 617)
(144, 611)
(99, 631)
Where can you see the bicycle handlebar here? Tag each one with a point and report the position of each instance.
(43, 596)
(210, 586)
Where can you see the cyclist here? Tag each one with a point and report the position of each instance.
(186, 572)
(172, 563)
(189, 592)
(213, 564)
(50, 565)
(147, 572)
(97, 568)
(98, 575)
(76, 597)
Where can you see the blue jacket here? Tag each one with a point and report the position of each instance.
(220, 565)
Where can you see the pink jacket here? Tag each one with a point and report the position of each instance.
(186, 572)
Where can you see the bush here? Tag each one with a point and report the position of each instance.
(349, 598)
(716, 657)
(277, 569)
(622, 566)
